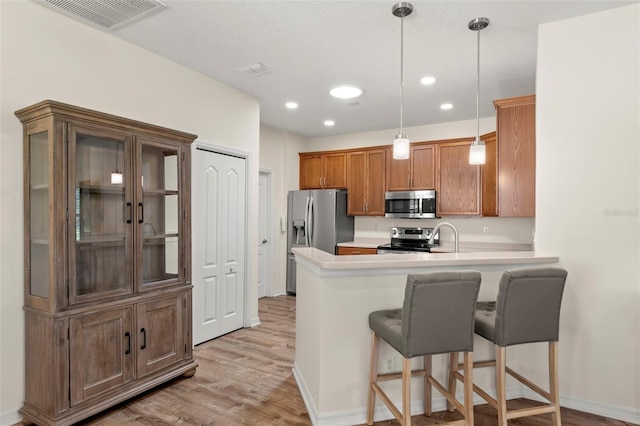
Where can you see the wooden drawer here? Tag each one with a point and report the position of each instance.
(356, 250)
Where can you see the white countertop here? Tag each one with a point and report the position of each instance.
(326, 261)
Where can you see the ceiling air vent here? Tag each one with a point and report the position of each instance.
(254, 70)
(105, 14)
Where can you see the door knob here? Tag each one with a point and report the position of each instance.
(264, 241)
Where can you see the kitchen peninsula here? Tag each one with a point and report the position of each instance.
(334, 298)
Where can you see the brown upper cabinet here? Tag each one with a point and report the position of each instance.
(458, 182)
(366, 171)
(323, 170)
(416, 173)
(516, 165)
(504, 186)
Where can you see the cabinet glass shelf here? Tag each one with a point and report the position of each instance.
(103, 239)
(159, 192)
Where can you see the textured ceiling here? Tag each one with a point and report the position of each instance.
(311, 46)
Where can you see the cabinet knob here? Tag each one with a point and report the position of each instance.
(264, 241)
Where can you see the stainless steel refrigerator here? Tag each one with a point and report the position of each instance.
(316, 218)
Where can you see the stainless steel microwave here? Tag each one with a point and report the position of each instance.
(410, 204)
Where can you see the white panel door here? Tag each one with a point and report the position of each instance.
(218, 201)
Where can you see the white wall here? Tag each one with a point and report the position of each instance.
(588, 199)
(471, 229)
(431, 132)
(48, 56)
(279, 153)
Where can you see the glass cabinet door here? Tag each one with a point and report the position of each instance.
(100, 214)
(159, 217)
(38, 178)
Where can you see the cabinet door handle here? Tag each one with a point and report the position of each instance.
(130, 213)
(144, 338)
(141, 206)
(128, 336)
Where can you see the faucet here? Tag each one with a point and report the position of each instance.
(455, 233)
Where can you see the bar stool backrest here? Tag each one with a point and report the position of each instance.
(528, 305)
(438, 312)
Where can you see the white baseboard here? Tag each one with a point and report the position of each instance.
(381, 412)
(625, 414)
(10, 417)
(306, 395)
(277, 293)
(255, 321)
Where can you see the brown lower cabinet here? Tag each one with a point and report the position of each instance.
(152, 343)
(356, 250)
(107, 260)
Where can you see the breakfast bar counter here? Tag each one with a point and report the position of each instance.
(334, 297)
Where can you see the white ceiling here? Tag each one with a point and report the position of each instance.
(312, 45)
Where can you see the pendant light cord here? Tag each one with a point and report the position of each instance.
(478, 90)
(401, 70)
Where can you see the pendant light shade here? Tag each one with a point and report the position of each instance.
(401, 147)
(401, 142)
(477, 154)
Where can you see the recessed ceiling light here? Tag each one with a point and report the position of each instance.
(291, 105)
(345, 92)
(428, 80)
(446, 106)
(329, 123)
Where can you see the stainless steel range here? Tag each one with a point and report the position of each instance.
(410, 240)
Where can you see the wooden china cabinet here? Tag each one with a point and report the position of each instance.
(107, 260)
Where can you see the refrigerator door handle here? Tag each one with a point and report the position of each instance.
(310, 224)
(307, 229)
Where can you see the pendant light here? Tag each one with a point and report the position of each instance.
(401, 142)
(477, 152)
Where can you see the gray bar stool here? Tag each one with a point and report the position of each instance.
(527, 310)
(436, 317)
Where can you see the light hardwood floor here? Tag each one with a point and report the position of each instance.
(245, 378)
